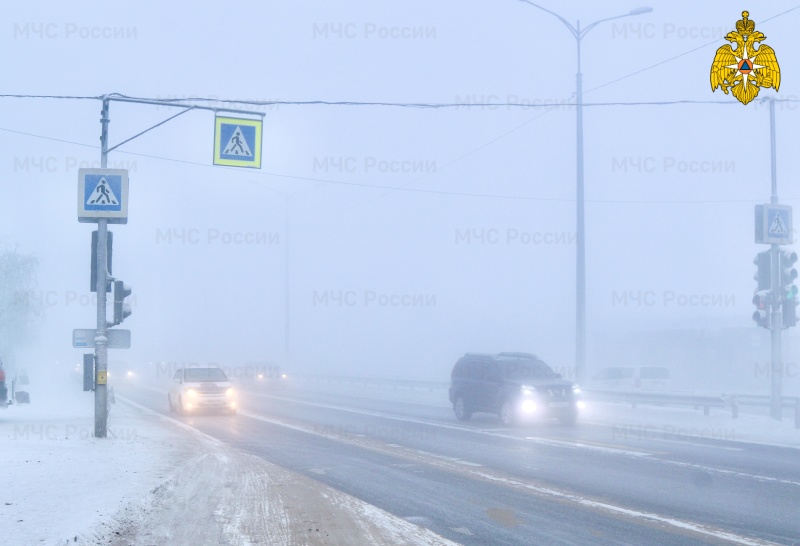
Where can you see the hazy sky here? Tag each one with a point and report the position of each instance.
(473, 251)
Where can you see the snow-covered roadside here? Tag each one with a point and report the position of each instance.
(156, 481)
(243, 500)
(59, 483)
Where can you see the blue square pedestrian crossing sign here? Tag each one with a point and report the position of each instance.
(774, 224)
(237, 142)
(103, 194)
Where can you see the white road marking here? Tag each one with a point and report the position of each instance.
(459, 466)
(543, 441)
(427, 422)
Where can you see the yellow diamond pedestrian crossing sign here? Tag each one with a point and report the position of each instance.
(237, 142)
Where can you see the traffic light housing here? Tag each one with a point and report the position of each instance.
(122, 309)
(761, 314)
(788, 273)
(109, 253)
(763, 261)
(788, 289)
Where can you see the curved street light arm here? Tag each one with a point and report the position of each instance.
(590, 27)
(567, 24)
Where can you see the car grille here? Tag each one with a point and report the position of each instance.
(210, 390)
(554, 392)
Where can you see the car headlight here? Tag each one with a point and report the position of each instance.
(576, 389)
(528, 406)
(283, 376)
(191, 393)
(527, 390)
(230, 393)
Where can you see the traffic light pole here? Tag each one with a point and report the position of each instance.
(101, 338)
(776, 327)
(776, 322)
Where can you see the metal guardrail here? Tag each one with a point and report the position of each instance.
(765, 401)
(377, 381)
(657, 398)
(706, 401)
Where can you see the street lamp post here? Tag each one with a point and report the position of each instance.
(286, 279)
(580, 274)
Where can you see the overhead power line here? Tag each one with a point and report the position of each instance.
(422, 105)
(396, 188)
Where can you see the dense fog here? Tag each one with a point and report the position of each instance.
(399, 238)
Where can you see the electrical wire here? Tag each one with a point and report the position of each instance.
(250, 172)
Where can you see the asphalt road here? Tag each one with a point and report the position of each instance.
(479, 483)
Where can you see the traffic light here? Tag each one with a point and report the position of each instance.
(121, 308)
(788, 273)
(109, 251)
(761, 314)
(763, 277)
(763, 261)
(789, 311)
(788, 289)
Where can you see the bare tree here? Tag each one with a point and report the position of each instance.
(20, 309)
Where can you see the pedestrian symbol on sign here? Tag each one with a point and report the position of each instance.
(102, 195)
(237, 142)
(237, 145)
(777, 226)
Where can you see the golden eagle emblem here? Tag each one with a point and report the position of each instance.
(747, 68)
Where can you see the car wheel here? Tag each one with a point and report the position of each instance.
(180, 405)
(507, 415)
(460, 407)
(171, 407)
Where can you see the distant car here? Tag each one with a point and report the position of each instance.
(195, 390)
(515, 386)
(649, 378)
(20, 380)
(272, 377)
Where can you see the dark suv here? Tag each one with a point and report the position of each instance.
(512, 385)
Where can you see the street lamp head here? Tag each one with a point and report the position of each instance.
(639, 11)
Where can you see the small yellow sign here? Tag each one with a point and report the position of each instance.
(102, 377)
(237, 142)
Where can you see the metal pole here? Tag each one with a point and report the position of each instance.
(580, 266)
(773, 152)
(776, 326)
(101, 339)
(286, 350)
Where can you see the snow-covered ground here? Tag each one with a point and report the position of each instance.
(156, 481)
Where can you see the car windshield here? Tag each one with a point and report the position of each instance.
(200, 375)
(517, 370)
